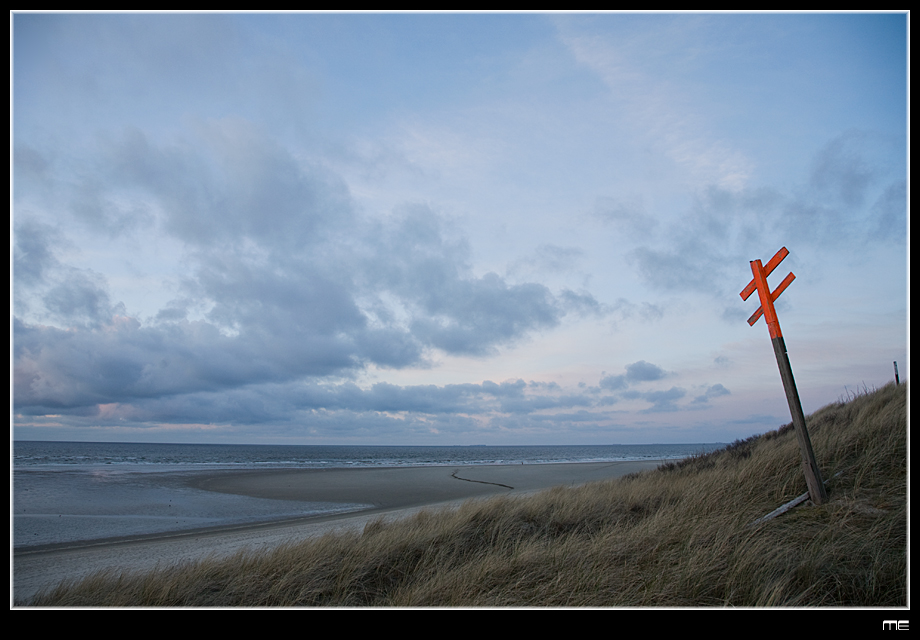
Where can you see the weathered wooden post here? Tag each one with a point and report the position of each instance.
(759, 283)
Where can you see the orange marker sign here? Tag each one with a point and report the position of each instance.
(767, 298)
(759, 283)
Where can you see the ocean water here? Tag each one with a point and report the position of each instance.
(153, 457)
(64, 492)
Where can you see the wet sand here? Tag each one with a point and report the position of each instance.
(387, 492)
(390, 488)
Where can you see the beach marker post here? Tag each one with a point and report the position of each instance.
(759, 283)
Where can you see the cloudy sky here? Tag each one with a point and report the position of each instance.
(450, 229)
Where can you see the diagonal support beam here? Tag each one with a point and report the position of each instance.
(782, 287)
(768, 268)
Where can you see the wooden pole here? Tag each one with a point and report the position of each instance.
(812, 472)
(759, 283)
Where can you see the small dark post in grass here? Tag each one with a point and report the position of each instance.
(759, 283)
(896, 379)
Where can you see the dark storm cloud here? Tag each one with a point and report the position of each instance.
(57, 292)
(452, 309)
(293, 284)
(307, 401)
(477, 315)
(123, 361)
(81, 298)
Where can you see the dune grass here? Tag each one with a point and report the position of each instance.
(681, 535)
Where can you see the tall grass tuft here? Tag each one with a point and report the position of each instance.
(678, 536)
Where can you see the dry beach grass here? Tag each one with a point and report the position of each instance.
(681, 535)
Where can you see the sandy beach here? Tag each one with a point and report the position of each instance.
(372, 493)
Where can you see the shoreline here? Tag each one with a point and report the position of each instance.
(391, 493)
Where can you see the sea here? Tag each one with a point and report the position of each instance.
(65, 492)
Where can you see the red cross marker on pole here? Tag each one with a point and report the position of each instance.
(759, 283)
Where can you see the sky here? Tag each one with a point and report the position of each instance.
(450, 229)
